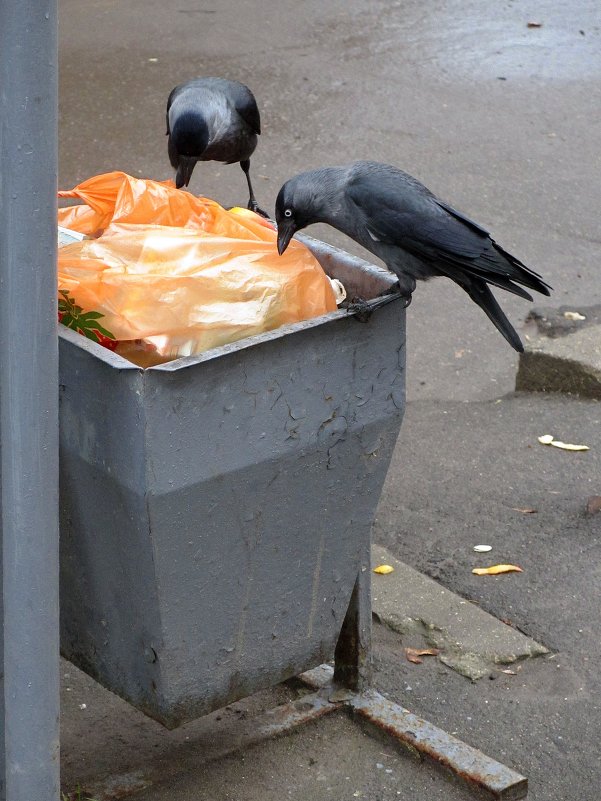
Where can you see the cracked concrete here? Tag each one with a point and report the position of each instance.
(470, 641)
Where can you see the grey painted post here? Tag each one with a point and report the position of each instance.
(28, 401)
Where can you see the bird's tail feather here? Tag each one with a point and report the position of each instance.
(524, 275)
(502, 283)
(481, 294)
(455, 267)
(497, 267)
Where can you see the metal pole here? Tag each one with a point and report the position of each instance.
(28, 399)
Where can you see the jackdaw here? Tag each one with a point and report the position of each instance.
(416, 235)
(212, 119)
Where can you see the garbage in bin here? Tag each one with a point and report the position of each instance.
(163, 274)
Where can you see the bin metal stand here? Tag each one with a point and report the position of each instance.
(346, 688)
(29, 700)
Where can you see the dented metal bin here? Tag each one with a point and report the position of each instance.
(216, 510)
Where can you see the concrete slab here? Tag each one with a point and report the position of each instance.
(470, 641)
(562, 359)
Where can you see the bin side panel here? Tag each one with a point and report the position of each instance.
(110, 617)
(264, 472)
(109, 608)
(256, 590)
(101, 411)
(312, 388)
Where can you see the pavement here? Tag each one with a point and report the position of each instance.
(466, 638)
(495, 116)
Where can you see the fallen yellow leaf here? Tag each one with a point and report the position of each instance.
(383, 569)
(547, 439)
(414, 654)
(566, 446)
(493, 570)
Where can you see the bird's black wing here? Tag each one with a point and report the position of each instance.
(246, 105)
(400, 211)
(462, 217)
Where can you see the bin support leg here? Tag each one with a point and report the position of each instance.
(352, 657)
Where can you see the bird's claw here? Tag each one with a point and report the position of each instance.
(360, 308)
(363, 310)
(406, 297)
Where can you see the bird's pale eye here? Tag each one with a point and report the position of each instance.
(288, 213)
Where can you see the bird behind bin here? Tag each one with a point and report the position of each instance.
(212, 119)
(415, 234)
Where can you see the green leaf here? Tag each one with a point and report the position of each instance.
(69, 321)
(91, 315)
(89, 333)
(86, 323)
(104, 331)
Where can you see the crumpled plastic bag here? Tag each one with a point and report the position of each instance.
(167, 274)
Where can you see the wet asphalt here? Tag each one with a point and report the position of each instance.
(501, 119)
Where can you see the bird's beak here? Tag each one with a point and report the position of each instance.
(286, 230)
(184, 171)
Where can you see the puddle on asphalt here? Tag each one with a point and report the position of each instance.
(479, 41)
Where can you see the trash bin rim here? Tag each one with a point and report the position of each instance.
(381, 274)
(119, 362)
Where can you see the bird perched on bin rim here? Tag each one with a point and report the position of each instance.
(212, 119)
(416, 235)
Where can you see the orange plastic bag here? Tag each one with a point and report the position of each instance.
(177, 273)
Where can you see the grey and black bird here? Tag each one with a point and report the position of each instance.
(212, 119)
(417, 235)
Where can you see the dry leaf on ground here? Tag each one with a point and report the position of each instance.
(524, 511)
(548, 439)
(414, 654)
(494, 570)
(566, 446)
(383, 569)
(593, 505)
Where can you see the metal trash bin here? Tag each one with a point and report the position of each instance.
(216, 510)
